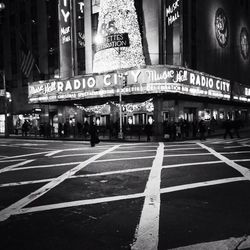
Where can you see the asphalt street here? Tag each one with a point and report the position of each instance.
(66, 195)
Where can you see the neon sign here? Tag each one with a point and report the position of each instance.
(149, 80)
(172, 12)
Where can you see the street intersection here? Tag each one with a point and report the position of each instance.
(178, 195)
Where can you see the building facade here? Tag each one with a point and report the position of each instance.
(173, 61)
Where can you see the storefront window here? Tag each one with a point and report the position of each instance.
(139, 119)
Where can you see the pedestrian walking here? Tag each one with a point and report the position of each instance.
(148, 131)
(227, 126)
(236, 126)
(93, 134)
(202, 130)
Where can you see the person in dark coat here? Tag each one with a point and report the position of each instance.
(202, 130)
(148, 130)
(228, 126)
(93, 134)
(236, 126)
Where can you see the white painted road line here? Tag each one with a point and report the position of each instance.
(202, 184)
(127, 197)
(14, 160)
(73, 155)
(182, 155)
(14, 208)
(176, 149)
(46, 166)
(147, 235)
(244, 171)
(15, 166)
(127, 159)
(231, 243)
(79, 203)
(76, 176)
(20, 183)
(191, 164)
(20, 156)
(53, 153)
(232, 147)
(236, 152)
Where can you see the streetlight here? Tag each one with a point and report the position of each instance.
(2, 7)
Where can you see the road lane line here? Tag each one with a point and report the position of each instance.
(20, 183)
(79, 203)
(191, 164)
(236, 152)
(126, 159)
(176, 149)
(14, 160)
(54, 152)
(77, 176)
(47, 166)
(18, 156)
(135, 151)
(202, 184)
(232, 147)
(231, 243)
(244, 171)
(125, 197)
(15, 166)
(147, 234)
(14, 208)
(241, 160)
(180, 155)
(73, 155)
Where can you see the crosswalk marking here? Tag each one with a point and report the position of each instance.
(244, 171)
(231, 243)
(15, 166)
(148, 228)
(14, 208)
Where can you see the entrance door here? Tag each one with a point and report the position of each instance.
(190, 114)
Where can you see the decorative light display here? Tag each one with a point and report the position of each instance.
(97, 109)
(136, 107)
(117, 17)
(221, 27)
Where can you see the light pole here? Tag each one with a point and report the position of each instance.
(120, 134)
(6, 133)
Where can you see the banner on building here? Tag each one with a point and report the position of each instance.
(65, 38)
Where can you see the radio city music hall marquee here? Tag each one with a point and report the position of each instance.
(149, 80)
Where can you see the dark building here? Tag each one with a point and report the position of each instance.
(195, 52)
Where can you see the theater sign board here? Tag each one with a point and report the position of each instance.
(241, 92)
(149, 80)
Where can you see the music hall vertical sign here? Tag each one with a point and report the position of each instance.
(174, 31)
(65, 38)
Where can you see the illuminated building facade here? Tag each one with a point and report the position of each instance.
(191, 61)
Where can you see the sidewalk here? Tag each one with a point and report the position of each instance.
(244, 132)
